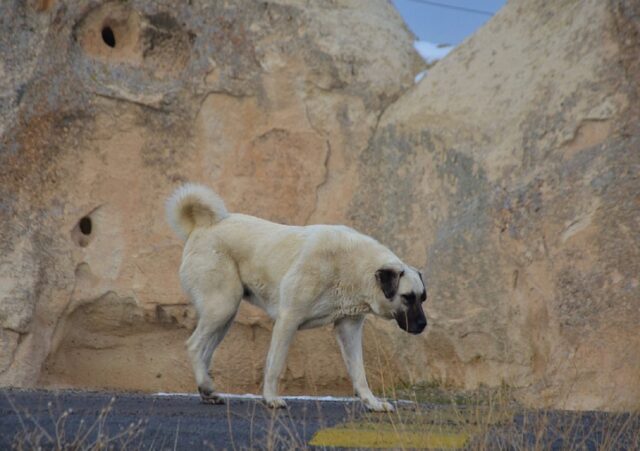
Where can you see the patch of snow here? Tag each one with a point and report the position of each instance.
(432, 52)
(420, 76)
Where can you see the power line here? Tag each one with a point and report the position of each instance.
(457, 8)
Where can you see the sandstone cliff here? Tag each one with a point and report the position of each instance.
(509, 173)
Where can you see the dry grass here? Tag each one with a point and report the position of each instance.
(55, 434)
(493, 420)
(486, 419)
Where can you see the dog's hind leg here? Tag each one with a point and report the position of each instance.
(349, 335)
(211, 329)
(216, 292)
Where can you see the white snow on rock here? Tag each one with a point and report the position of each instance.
(419, 76)
(432, 52)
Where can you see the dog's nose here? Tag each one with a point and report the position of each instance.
(421, 324)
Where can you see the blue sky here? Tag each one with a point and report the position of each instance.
(442, 25)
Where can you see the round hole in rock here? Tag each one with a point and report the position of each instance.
(108, 37)
(85, 225)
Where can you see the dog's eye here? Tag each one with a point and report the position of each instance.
(409, 297)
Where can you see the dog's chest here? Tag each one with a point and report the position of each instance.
(330, 308)
(320, 315)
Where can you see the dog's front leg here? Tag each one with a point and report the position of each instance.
(283, 332)
(349, 334)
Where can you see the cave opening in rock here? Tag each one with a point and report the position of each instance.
(85, 225)
(108, 36)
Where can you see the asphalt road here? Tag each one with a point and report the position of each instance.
(55, 419)
(136, 421)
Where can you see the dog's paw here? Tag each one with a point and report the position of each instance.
(212, 399)
(379, 406)
(276, 403)
(209, 397)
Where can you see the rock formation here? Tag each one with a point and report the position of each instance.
(513, 172)
(510, 173)
(108, 106)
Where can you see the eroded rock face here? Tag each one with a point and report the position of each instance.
(107, 107)
(513, 172)
(509, 174)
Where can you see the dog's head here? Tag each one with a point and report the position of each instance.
(404, 292)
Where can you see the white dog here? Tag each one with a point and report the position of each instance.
(303, 277)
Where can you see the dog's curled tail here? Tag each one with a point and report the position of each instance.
(192, 206)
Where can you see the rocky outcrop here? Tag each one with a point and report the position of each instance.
(512, 175)
(509, 173)
(108, 106)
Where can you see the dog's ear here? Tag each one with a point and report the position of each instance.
(388, 280)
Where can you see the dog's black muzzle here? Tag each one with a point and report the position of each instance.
(413, 320)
